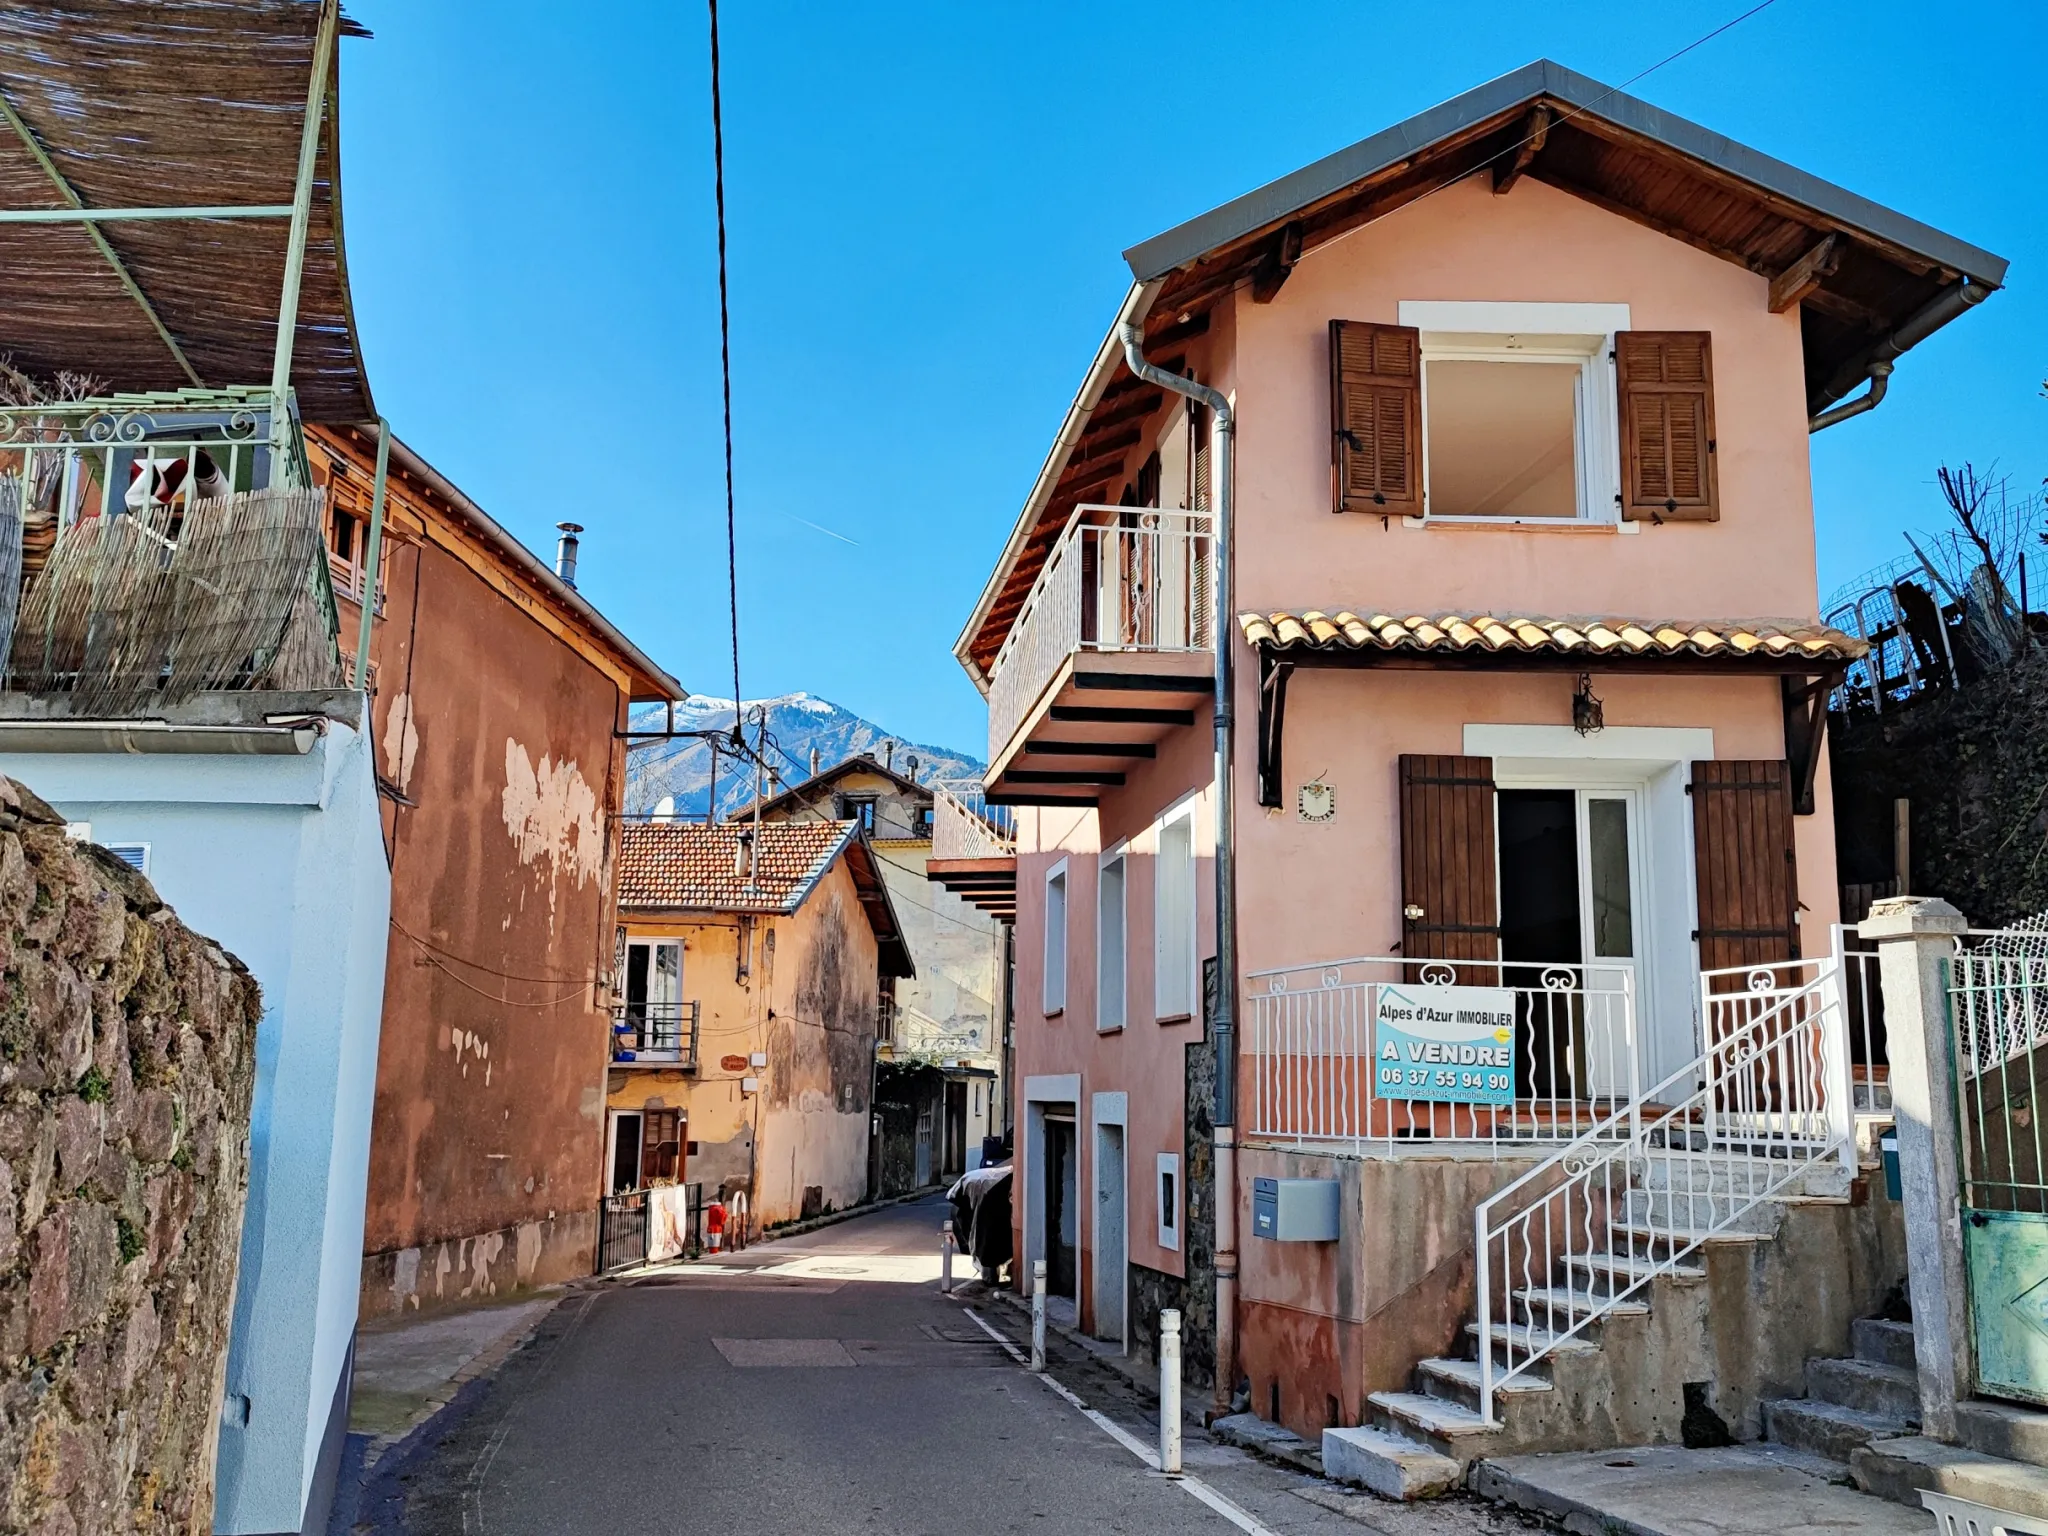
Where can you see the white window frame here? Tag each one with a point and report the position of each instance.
(1169, 1207)
(1054, 975)
(1112, 923)
(1581, 334)
(1171, 1006)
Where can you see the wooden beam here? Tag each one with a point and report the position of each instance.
(1061, 776)
(1088, 714)
(1535, 129)
(1840, 307)
(1182, 327)
(1277, 265)
(1090, 749)
(1147, 682)
(1806, 274)
(1133, 408)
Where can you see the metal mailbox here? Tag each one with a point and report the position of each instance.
(1295, 1210)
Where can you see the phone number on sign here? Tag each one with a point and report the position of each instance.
(1427, 1077)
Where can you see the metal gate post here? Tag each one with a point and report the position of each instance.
(1915, 937)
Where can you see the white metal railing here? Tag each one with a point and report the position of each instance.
(1764, 1103)
(966, 826)
(138, 453)
(1870, 1076)
(1118, 579)
(1311, 1079)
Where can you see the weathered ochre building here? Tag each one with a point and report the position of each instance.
(500, 696)
(751, 959)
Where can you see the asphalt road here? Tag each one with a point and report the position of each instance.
(822, 1384)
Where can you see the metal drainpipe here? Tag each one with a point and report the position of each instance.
(1964, 294)
(1224, 1022)
(372, 553)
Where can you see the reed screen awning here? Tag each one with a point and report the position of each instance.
(172, 104)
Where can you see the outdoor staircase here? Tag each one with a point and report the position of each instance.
(1865, 1411)
(1600, 1379)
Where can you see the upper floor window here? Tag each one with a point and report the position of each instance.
(1056, 939)
(1110, 964)
(1521, 413)
(1173, 924)
(860, 808)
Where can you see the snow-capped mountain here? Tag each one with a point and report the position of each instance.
(797, 723)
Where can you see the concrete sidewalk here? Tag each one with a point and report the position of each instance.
(1665, 1490)
(406, 1369)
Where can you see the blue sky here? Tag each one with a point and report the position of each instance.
(926, 207)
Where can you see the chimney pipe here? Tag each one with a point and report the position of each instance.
(814, 762)
(889, 755)
(565, 553)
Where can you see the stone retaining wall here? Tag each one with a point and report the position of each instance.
(127, 1054)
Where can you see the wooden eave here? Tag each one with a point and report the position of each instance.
(1542, 122)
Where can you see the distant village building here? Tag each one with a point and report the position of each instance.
(751, 963)
(499, 698)
(939, 1084)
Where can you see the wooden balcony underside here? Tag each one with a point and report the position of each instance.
(1101, 717)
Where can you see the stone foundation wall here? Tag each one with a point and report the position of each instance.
(127, 1056)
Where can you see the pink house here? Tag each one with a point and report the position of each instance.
(1470, 464)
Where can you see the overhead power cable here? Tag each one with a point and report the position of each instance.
(732, 566)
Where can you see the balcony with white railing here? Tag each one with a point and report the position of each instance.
(1111, 650)
(974, 847)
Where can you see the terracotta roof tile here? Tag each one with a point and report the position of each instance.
(1593, 636)
(687, 864)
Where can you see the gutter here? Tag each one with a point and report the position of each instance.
(1223, 1022)
(150, 737)
(1876, 365)
(1137, 303)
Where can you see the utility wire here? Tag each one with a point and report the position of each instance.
(732, 567)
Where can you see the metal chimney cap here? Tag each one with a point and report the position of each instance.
(570, 527)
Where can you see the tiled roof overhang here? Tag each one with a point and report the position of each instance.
(1607, 642)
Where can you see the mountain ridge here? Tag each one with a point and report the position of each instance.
(797, 723)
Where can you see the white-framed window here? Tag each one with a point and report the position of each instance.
(1174, 980)
(1169, 1198)
(1056, 939)
(1110, 948)
(1519, 411)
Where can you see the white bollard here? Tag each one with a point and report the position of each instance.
(946, 1259)
(1038, 1314)
(1169, 1392)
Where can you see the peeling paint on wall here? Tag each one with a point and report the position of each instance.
(552, 814)
(468, 1043)
(401, 743)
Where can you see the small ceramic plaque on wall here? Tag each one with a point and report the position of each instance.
(1316, 801)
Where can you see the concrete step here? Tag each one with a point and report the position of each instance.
(1620, 1268)
(1676, 1208)
(1882, 1342)
(1457, 1381)
(1430, 1420)
(1743, 1175)
(1884, 1390)
(2004, 1429)
(1525, 1339)
(1827, 1429)
(1678, 1235)
(1899, 1469)
(1541, 1305)
(1392, 1466)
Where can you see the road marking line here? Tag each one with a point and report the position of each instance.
(1195, 1487)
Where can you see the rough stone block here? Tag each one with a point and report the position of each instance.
(2004, 1429)
(1899, 1469)
(1390, 1466)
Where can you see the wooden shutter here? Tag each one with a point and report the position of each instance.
(1447, 859)
(1743, 861)
(1666, 381)
(1375, 417)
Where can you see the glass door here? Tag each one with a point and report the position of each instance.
(1610, 840)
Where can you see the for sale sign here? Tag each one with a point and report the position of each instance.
(1449, 1045)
